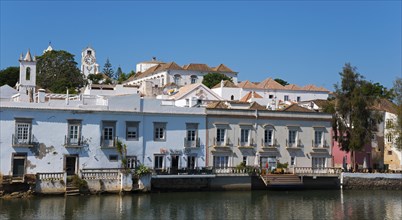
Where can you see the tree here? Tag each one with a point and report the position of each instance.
(211, 79)
(57, 71)
(397, 126)
(281, 81)
(354, 121)
(377, 91)
(108, 70)
(95, 78)
(9, 76)
(118, 73)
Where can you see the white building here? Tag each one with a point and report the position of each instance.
(88, 62)
(270, 93)
(161, 74)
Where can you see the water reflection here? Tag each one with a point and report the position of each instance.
(333, 204)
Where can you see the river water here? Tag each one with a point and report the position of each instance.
(306, 204)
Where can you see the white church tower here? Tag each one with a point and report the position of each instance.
(88, 62)
(27, 81)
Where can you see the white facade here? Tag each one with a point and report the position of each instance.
(88, 62)
(392, 156)
(60, 136)
(260, 137)
(27, 80)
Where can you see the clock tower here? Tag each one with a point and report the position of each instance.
(88, 62)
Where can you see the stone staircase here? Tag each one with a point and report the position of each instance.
(281, 180)
(72, 190)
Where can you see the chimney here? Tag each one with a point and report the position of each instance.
(41, 96)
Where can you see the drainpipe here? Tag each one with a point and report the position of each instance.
(207, 139)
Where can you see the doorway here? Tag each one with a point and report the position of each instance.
(19, 161)
(71, 165)
(175, 164)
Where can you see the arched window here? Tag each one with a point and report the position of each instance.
(176, 79)
(232, 97)
(194, 79)
(28, 74)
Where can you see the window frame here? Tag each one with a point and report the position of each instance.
(135, 125)
(160, 131)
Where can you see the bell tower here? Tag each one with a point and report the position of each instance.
(27, 81)
(88, 62)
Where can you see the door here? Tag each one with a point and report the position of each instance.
(175, 164)
(19, 166)
(191, 162)
(71, 165)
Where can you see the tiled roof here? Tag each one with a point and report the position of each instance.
(247, 85)
(185, 89)
(249, 95)
(385, 105)
(227, 105)
(226, 83)
(256, 106)
(222, 68)
(314, 88)
(269, 83)
(293, 87)
(296, 108)
(197, 67)
(217, 105)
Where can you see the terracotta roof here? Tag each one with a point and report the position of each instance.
(256, 106)
(293, 87)
(185, 89)
(197, 67)
(249, 95)
(269, 83)
(218, 105)
(385, 105)
(226, 83)
(314, 88)
(296, 108)
(222, 68)
(247, 85)
(171, 66)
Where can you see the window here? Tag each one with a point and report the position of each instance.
(268, 136)
(221, 161)
(220, 135)
(390, 152)
(131, 162)
(176, 79)
(158, 161)
(298, 99)
(232, 97)
(108, 134)
(190, 135)
(244, 135)
(159, 131)
(132, 131)
(28, 74)
(245, 160)
(163, 82)
(113, 158)
(286, 98)
(389, 138)
(23, 131)
(318, 162)
(388, 124)
(194, 79)
(74, 132)
(292, 138)
(270, 96)
(292, 161)
(318, 138)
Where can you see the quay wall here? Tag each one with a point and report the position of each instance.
(371, 181)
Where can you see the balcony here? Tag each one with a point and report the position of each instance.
(246, 144)
(221, 143)
(273, 144)
(108, 143)
(191, 143)
(73, 142)
(322, 145)
(292, 145)
(28, 142)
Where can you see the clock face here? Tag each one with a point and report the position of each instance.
(89, 59)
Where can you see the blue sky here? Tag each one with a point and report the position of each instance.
(302, 42)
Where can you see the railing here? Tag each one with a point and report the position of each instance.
(51, 176)
(319, 145)
(221, 143)
(191, 143)
(249, 143)
(293, 145)
(273, 143)
(16, 142)
(106, 143)
(98, 174)
(321, 170)
(72, 142)
(235, 170)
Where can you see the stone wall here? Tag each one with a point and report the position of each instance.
(371, 181)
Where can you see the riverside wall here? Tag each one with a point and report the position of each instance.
(371, 181)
